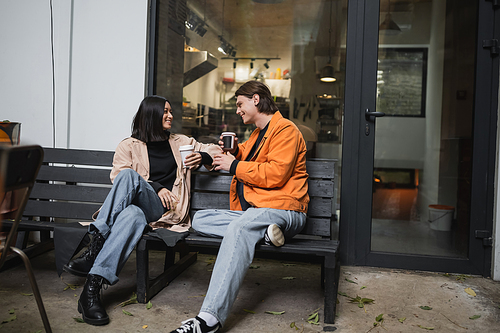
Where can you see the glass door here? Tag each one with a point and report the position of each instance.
(417, 123)
(423, 145)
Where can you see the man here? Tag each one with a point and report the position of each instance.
(268, 199)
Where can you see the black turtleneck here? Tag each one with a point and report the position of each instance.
(162, 165)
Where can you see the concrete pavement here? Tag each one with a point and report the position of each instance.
(408, 301)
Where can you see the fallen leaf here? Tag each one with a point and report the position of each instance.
(12, 318)
(401, 320)
(470, 292)
(361, 301)
(127, 313)
(313, 317)
(292, 325)
(379, 318)
(475, 317)
(71, 286)
(149, 305)
(275, 312)
(78, 320)
(351, 281)
(249, 311)
(289, 278)
(426, 328)
(25, 294)
(363, 287)
(132, 300)
(145, 326)
(343, 294)
(462, 277)
(11, 311)
(425, 307)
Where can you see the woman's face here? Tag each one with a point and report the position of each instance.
(167, 117)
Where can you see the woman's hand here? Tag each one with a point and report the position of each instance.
(168, 199)
(232, 151)
(223, 161)
(193, 160)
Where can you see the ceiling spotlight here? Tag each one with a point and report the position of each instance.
(201, 30)
(234, 64)
(196, 24)
(266, 65)
(226, 48)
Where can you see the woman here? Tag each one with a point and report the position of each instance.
(150, 183)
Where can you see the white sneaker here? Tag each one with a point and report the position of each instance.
(274, 236)
(196, 325)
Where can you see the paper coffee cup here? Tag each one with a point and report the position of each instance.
(228, 140)
(185, 151)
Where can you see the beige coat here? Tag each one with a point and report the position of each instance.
(132, 153)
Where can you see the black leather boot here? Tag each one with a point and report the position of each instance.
(81, 266)
(89, 304)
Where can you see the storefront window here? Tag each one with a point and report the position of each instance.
(285, 44)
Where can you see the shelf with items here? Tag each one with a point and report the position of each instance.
(329, 122)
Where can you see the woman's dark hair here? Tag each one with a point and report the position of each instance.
(147, 125)
(266, 103)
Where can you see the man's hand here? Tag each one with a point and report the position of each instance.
(221, 144)
(193, 160)
(223, 161)
(168, 199)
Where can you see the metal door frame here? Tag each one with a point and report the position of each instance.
(357, 169)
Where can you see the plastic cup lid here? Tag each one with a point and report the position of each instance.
(186, 147)
(228, 133)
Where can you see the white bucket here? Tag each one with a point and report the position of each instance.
(440, 217)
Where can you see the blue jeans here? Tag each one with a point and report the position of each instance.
(130, 204)
(241, 231)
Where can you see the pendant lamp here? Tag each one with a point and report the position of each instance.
(327, 73)
(389, 27)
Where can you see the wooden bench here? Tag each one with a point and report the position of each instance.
(72, 184)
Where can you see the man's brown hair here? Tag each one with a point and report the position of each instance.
(266, 103)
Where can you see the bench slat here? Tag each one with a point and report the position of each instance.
(202, 200)
(72, 174)
(321, 168)
(318, 207)
(317, 227)
(59, 209)
(69, 192)
(77, 156)
(219, 183)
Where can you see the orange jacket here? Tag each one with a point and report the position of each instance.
(276, 175)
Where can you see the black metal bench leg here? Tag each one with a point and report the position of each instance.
(332, 274)
(142, 264)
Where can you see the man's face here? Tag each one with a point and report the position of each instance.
(247, 108)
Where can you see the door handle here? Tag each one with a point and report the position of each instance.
(369, 114)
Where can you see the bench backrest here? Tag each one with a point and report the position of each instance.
(73, 183)
(211, 191)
